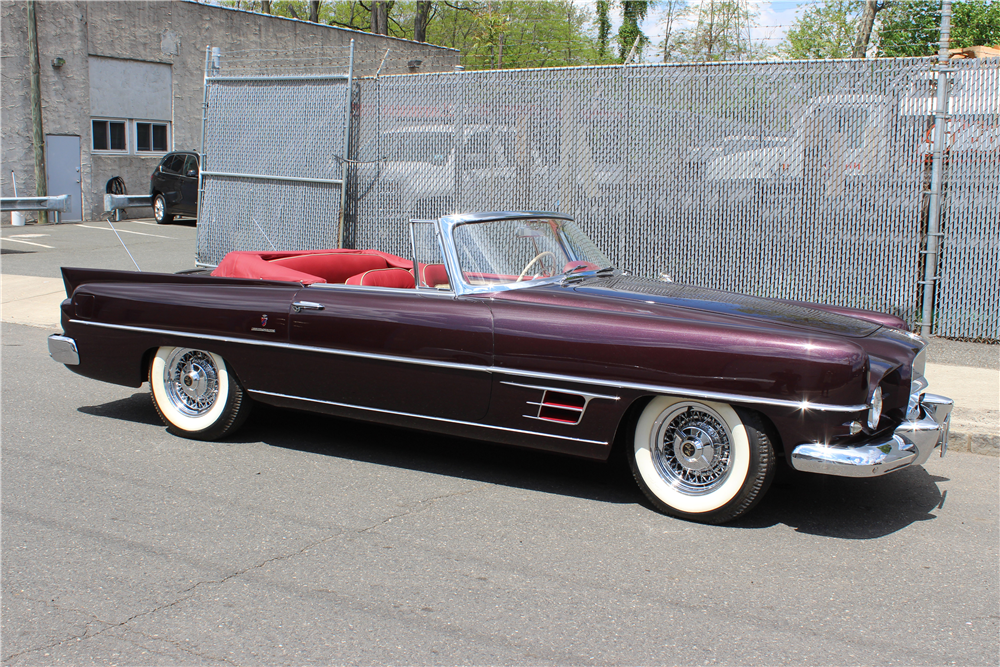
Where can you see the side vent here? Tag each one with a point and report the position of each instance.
(557, 406)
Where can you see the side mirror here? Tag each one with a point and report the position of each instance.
(665, 277)
(193, 173)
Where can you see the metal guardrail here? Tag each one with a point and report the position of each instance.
(60, 203)
(115, 202)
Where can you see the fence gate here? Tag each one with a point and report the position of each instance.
(273, 155)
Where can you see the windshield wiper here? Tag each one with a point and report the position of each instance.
(576, 272)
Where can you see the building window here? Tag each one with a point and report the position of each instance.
(109, 135)
(150, 137)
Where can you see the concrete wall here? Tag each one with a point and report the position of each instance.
(173, 33)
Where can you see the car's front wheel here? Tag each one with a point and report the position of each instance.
(700, 460)
(195, 394)
(160, 210)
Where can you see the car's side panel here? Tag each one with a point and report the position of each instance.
(570, 336)
(188, 202)
(408, 350)
(117, 323)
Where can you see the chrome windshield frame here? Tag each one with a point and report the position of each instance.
(446, 227)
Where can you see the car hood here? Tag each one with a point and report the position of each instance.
(727, 305)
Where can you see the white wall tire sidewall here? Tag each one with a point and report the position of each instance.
(709, 502)
(177, 418)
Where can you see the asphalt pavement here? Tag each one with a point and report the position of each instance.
(310, 540)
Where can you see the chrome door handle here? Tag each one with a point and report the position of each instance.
(299, 306)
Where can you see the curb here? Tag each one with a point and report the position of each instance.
(983, 444)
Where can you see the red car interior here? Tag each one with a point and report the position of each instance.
(351, 267)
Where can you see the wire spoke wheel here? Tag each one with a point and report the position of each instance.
(192, 381)
(195, 393)
(692, 448)
(701, 460)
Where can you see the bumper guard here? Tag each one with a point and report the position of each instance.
(910, 444)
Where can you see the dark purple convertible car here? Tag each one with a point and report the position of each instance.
(514, 328)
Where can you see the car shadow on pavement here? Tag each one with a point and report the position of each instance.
(839, 507)
(848, 508)
(137, 408)
(438, 454)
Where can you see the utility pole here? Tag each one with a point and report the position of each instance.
(932, 244)
(37, 135)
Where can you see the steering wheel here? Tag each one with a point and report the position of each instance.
(532, 263)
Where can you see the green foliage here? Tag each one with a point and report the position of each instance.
(913, 28)
(633, 13)
(555, 33)
(490, 33)
(826, 30)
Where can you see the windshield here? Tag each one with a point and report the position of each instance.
(505, 252)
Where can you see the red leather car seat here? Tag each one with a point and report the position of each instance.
(434, 275)
(394, 277)
(332, 267)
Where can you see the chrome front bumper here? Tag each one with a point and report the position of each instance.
(63, 349)
(910, 444)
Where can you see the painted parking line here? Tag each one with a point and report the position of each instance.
(40, 245)
(126, 231)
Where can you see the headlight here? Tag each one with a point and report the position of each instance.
(875, 409)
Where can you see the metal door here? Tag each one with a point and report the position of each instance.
(62, 172)
(407, 351)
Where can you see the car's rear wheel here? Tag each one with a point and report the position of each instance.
(700, 460)
(160, 210)
(195, 394)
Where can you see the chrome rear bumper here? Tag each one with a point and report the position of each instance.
(63, 349)
(910, 444)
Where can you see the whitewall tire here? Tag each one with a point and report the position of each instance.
(701, 460)
(195, 394)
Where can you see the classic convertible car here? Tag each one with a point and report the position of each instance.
(515, 328)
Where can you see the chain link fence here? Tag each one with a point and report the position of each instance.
(274, 143)
(798, 180)
(968, 294)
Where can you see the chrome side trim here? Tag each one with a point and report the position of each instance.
(292, 346)
(553, 377)
(416, 416)
(63, 349)
(561, 389)
(682, 392)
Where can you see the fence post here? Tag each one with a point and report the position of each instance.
(932, 242)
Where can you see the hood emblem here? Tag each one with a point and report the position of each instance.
(263, 320)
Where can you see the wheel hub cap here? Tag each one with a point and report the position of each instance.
(692, 448)
(192, 381)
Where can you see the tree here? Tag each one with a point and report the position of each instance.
(629, 34)
(872, 7)
(824, 30)
(914, 28)
(603, 27)
(718, 32)
(675, 10)
(421, 18)
(380, 16)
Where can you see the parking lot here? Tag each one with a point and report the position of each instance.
(311, 540)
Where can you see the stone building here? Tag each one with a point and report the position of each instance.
(122, 83)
